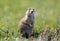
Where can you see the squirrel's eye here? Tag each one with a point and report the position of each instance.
(28, 15)
(31, 12)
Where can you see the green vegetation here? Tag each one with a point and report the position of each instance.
(47, 12)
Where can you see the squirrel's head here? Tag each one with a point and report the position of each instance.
(30, 12)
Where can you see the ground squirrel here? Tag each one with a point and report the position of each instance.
(26, 23)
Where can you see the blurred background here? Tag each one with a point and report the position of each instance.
(47, 12)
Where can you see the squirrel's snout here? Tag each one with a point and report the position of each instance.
(30, 11)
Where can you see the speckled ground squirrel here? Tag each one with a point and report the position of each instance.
(26, 24)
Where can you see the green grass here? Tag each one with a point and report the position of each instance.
(47, 12)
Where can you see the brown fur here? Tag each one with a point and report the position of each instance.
(26, 24)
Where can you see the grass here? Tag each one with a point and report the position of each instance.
(47, 12)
